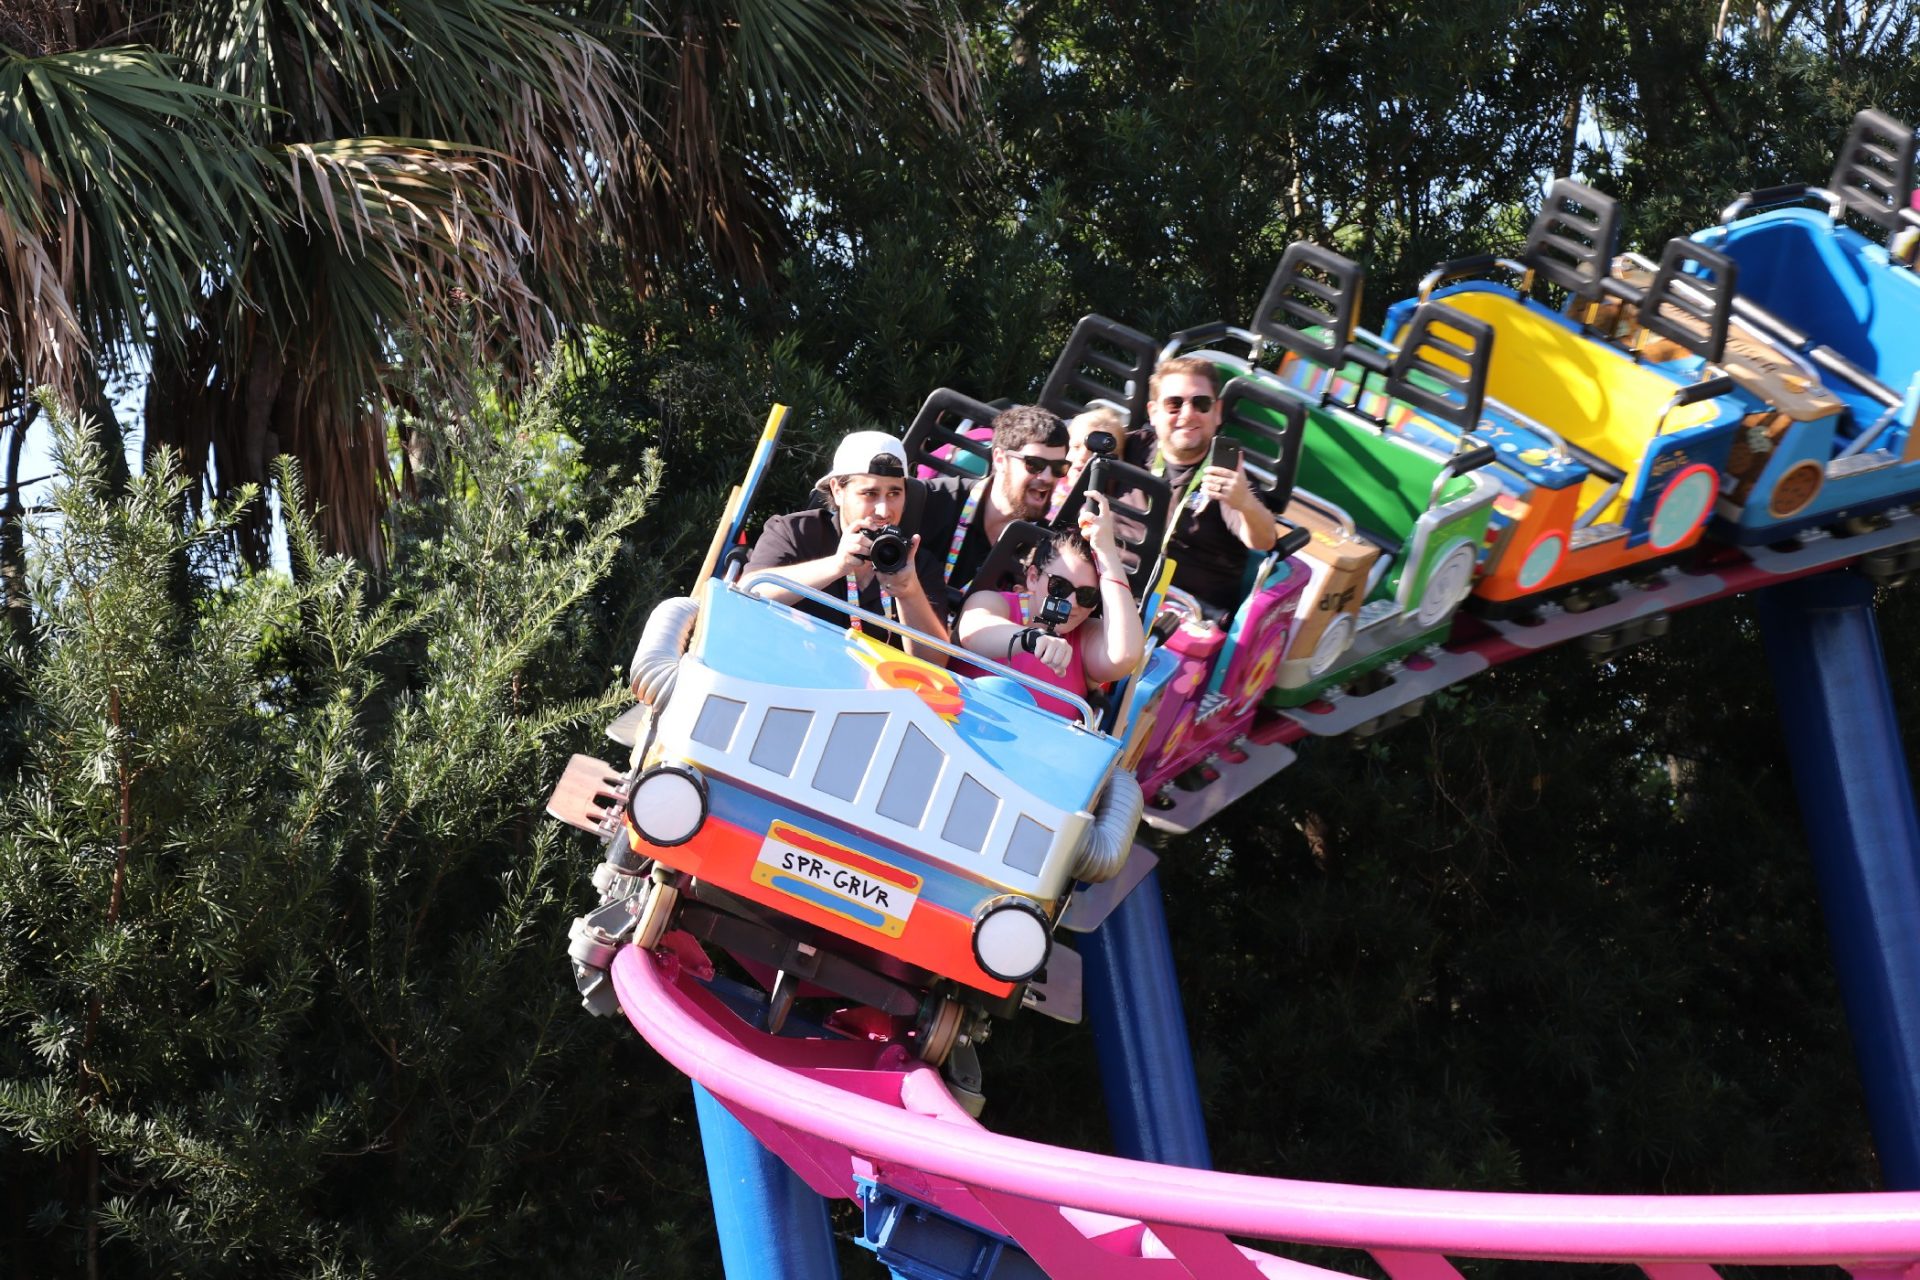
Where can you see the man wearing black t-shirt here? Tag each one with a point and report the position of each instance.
(1029, 457)
(830, 548)
(1217, 516)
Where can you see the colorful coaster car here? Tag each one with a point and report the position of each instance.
(1202, 680)
(1199, 704)
(1396, 526)
(1826, 336)
(868, 794)
(1609, 467)
(842, 816)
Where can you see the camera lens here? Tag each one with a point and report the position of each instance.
(1101, 442)
(887, 548)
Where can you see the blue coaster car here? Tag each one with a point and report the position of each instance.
(1826, 334)
(843, 817)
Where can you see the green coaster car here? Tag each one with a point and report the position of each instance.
(1397, 527)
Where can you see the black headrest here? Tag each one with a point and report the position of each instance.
(1572, 239)
(1280, 442)
(1141, 503)
(1448, 347)
(1873, 174)
(1103, 360)
(1312, 289)
(943, 422)
(1691, 298)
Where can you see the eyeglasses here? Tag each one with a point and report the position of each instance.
(1173, 404)
(1058, 466)
(1085, 597)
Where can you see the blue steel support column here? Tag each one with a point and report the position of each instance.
(772, 1225)
(1856, 800)
(1140, 1033)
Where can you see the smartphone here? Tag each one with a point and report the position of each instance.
(1225, 454)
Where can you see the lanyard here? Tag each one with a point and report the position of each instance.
(853, 598)
(960, 529)
(1193, 480)
(1180, 507)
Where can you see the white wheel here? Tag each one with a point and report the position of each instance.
(1447, 585)
(655, 914)
(1333, 642)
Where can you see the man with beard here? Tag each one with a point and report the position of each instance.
(965, 516)
(1217, 517)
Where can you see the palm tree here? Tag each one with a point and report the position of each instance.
(306, 213)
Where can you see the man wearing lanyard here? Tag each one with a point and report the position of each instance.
(831, 548)
(1217, 516)
(965, 516)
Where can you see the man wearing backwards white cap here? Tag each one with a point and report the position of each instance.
(829, 549)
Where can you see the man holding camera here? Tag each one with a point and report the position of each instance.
(853, 547)
(1217, 516)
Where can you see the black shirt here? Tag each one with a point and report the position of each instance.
(1210, 560)
(946, 500)
(815, 534)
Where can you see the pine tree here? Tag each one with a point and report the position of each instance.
(281, 929)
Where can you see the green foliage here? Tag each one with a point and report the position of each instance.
(280, 927)
(279, 923)
(1561, 934)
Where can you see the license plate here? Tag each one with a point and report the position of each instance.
(837, 879)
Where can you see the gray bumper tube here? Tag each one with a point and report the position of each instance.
(1110, 839)
(657, 660)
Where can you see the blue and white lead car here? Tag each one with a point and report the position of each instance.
(843, 817)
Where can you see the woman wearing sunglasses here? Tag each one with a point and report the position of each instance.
(1100, 638)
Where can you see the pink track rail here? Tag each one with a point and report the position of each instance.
(838, 1111)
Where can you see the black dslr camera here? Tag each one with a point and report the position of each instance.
(887, 548)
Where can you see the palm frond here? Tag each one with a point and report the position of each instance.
(123, 189)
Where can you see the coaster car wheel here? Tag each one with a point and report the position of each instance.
(937, 1030)
(1447, 585)
(1334, 641)
(655, 914)
(1683, 507)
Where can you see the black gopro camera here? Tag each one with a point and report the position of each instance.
(1101, 443)
(1059, 604)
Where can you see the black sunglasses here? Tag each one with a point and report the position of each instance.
(1085, 597)
(1058, 466)
(1173, 404)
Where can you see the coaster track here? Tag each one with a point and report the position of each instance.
(863, 1120)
